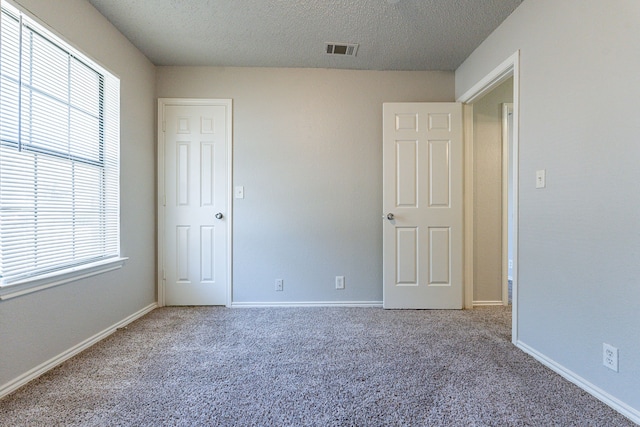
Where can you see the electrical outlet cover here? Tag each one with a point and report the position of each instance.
(610, 356)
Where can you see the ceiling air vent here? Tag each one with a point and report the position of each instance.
(341, 49)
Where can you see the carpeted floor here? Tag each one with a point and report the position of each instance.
(307, 367)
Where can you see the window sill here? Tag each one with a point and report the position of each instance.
(58, 278)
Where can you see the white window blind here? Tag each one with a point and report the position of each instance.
(59, 154)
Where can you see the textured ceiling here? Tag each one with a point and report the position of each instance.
(393, 35)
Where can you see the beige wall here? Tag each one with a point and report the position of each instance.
(308, 150)
(579, 238)
(487, 193)
(39, 326)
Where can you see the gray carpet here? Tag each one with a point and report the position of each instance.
(307, 367)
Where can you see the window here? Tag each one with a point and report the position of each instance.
(59, 155)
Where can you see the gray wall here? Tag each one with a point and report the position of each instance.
(487, 193)
(579, 239)
(308, 150)
(36, 327)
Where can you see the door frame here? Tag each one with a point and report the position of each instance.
(508, 68)
(507, 161)
(161, 200)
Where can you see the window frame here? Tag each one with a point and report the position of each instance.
(91, 267)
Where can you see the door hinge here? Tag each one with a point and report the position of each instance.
(164, 126)
(164, 276)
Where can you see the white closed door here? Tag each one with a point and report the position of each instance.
(422, 205)
(196, 208)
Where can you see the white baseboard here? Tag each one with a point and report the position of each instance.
(615, 403)
(481, 303)
(34, 373)
(377, 304)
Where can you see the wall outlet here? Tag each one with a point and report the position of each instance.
(279, 285)
(610, 357)
(339, 282)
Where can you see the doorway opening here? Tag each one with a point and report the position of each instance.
(491, 213)
(491, 189)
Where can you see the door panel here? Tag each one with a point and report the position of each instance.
(407, 176)
(440, 178)
(196, 189)
(439, 256)
(407, 256)
(422, 188)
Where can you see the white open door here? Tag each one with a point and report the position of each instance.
(422, 205)
(194, 218)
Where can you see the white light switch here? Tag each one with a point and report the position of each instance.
(541, 179)
(239, 192)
